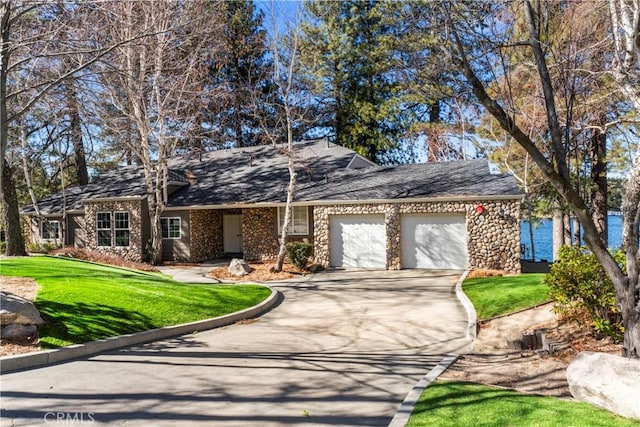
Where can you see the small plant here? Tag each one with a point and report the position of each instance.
(299, 253)
(41, 248)
(583, 293)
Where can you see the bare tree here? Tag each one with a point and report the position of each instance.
(33, 47)
(556, 168)
(154, 82)
(289, 114)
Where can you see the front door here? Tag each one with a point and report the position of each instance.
(232, 230)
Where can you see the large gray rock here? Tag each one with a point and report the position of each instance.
(17, 310)
(17, 332)
(608, 381)
(238, 267)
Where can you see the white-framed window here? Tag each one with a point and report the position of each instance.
(121, 228)
(170, 228)
(50, 230)
(103, 228)
(299, 224)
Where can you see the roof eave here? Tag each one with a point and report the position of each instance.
(459, 198)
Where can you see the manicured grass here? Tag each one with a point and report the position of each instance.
(494, 296)
(83, 302)
(450, 403)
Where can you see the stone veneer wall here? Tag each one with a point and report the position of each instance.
(261, 240)
(259, 234)
(493, 237)
(205, 234)
(136, 248)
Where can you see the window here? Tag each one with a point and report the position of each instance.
(50, 230)
(170, 228)
(121, 220)
(103, 227)
(299, 224)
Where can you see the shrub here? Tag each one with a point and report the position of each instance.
(299, 253)
(41, 248)
(582, 292)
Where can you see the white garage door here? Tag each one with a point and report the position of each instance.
(433, 241)
(358, 241)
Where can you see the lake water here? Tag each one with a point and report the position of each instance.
(543, 237)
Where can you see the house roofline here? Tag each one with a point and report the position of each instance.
(113, 199)
(350, 202)
(358, 156)
(52, 215)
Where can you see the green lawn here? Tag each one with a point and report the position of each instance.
(449, 403)
(494, 296)
(83, 302)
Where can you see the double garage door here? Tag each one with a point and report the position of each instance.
(427, 241)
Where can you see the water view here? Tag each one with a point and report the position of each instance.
(543, 237)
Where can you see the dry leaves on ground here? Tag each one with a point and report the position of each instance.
(97, 257)
(261, 273)
(27, 289)
(492, 363)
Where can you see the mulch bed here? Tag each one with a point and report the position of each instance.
(97, 257)
(261, 273)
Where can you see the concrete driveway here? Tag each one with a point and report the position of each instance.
(343, 348)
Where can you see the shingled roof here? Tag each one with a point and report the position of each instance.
(470, 178)
(259, 175)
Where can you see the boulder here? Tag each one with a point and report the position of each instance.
(608, 381)
(17, 310)
(18, 332)
(238, 267)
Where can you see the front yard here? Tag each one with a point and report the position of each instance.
(82, 302)
(449, 403)
(528, 383)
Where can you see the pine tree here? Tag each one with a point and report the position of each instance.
(241, 74)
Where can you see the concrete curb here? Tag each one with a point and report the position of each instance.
(406, 408)
(472, 317)
(408, 405)
(48, 357)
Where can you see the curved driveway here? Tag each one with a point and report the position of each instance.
(343, 348)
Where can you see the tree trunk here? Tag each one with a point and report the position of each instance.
(566, 229)
(598, 155)
(8, 196)
(558, 232)
(13, 228)
(287, 213)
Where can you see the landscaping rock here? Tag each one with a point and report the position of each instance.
(608, 381)
(238, 267)
(17, 310)
(18, 332)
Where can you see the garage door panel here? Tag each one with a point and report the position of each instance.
(358, 241)
(434, 241)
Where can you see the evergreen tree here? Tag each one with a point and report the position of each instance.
(347, 59)
(240, 73)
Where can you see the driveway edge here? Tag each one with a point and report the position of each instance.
(48, 357)
(472, 317)
(408, 405)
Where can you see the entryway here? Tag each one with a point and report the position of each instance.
(232, 234)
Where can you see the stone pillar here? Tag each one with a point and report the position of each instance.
(392, 225)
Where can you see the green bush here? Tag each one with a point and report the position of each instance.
(38, 248)
(582, 292)
(299, 253)
(3, 247)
